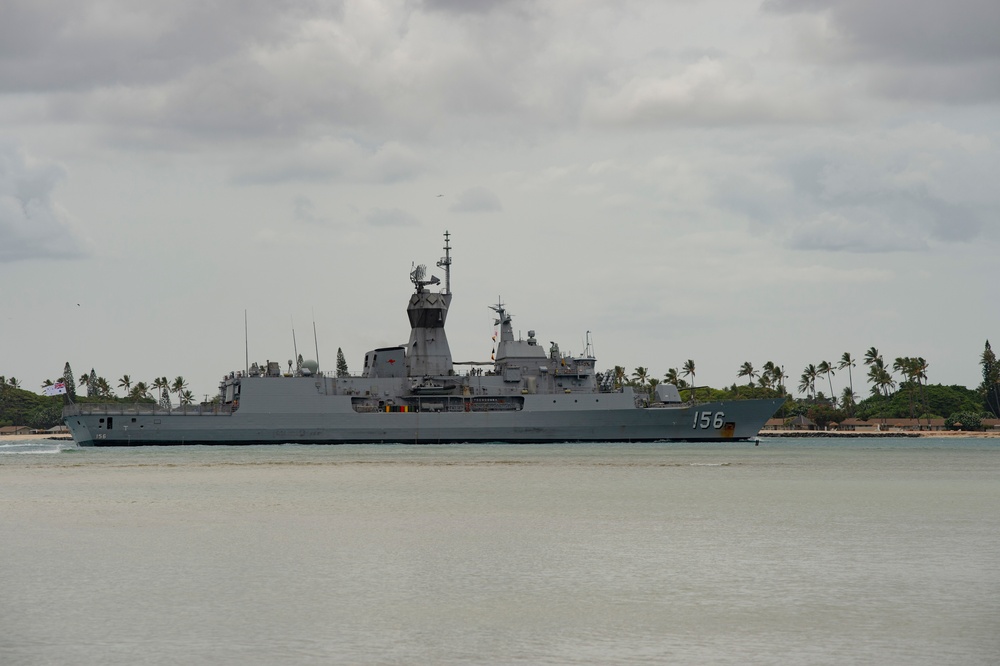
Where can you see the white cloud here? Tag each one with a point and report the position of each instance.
(477, 200)
(390, 217)
(855, 230)
(305, 212)
(32, 224)
(709, 91)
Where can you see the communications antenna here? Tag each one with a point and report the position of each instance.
(445, 263)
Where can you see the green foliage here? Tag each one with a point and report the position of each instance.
(342, 370)
(824, 414)
(45, 416)
(964, 421)
(69, 381)
(738, 392)
(25, 408)
(990, 388)
(940, 401)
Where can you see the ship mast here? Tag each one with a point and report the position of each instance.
(445, 263)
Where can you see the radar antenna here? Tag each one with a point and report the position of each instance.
(417, 275)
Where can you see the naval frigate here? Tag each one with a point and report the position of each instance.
(415, 393)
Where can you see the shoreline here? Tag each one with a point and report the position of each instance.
(945, 434)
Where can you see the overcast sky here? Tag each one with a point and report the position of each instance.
(719, 180)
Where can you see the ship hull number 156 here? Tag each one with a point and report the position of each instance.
(706, 420)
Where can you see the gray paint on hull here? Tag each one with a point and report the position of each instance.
(525, 426)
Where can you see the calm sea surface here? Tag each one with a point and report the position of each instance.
(803, 551)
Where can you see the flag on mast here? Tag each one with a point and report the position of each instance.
(56, 389)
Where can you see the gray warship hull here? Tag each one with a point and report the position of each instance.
(416, 394)
(296, 410)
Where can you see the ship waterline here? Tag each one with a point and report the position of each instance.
(413, 394)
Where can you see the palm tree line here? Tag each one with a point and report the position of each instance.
(771, 376)
(911, 370)
(100, 387)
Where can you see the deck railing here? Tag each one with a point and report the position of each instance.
(133, 409)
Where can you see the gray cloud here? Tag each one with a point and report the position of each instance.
(32, 224)
(304, 211)
(945, 51)
(655, 140)
(331, 159)
(391, 217)
(80, 45)
(956, 31)
(895, 222)
(175, 75)
(476, 200)
(902, 190)
(709, 91)
(891, 220)
(473, 6)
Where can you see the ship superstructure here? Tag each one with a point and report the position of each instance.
(412, 393)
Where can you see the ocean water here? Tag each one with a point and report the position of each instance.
(804, 551)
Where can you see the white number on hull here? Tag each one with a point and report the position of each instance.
(706, 420)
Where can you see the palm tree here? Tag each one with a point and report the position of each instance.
(913, 370)
(640, 375)
(85, 381)
(872, 356)
(179, 386)
(186, 397)
(767, 375)
(104, 388)
(688, 371)
(876, 371)
(847, 399)
(778, 374)
(162, 384)
(920, 368)
(881, 379)
(619, 376)
(141, 389)
(825, 368)
(847, 361)
(14, 382)
(125, 382)
(746, 370)
(807, 383)
(673, 377)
